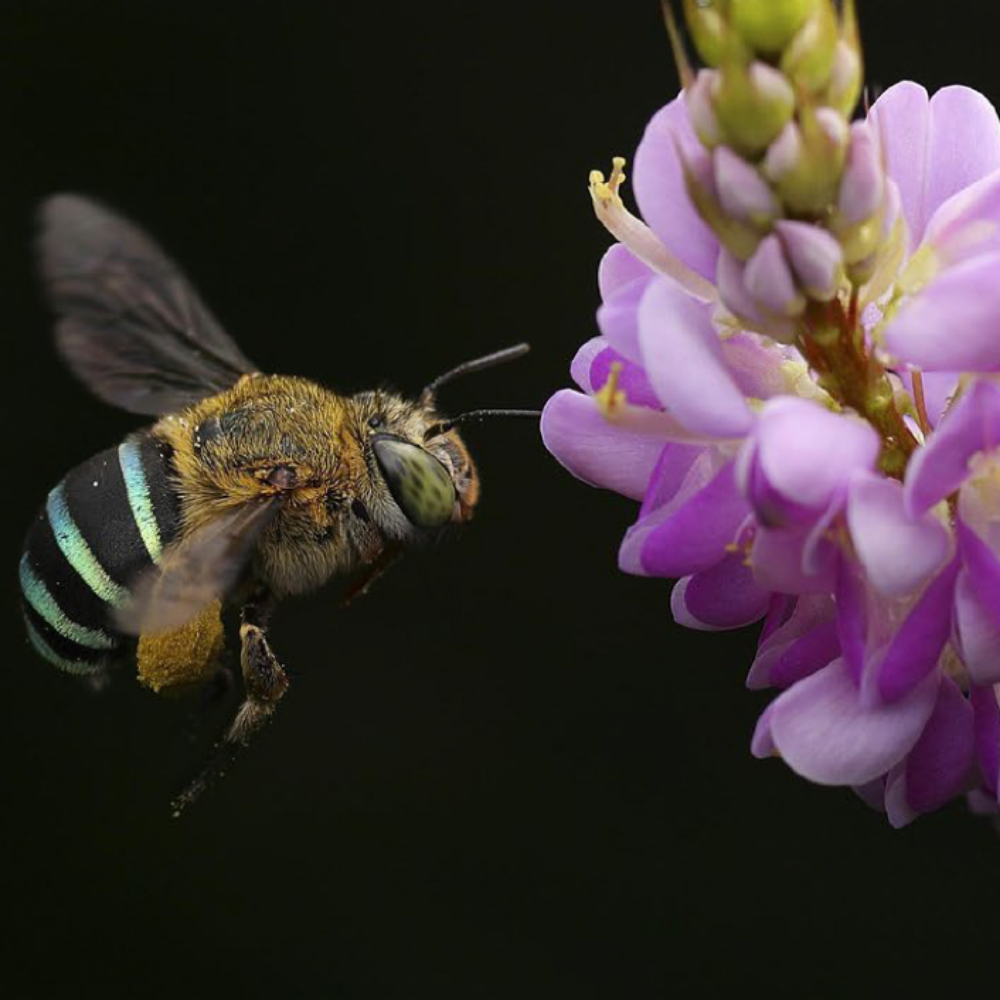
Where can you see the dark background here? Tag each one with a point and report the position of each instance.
(506, 773)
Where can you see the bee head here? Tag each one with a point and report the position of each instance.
(420, 455)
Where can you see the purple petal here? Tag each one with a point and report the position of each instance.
(982, 568)
(809, 453)
(681, 472)
(743, 193)
(967, 223)
(778, 562)
(939, 767)
(815, 255)
(658, 181)
(862, 186)
(632, 379)
(768, 278)
(917, 644)
(852, 617)
(726, 596)
(762, 745)
(595, 451)
(755, 365)
(695, 535)
(898, 552)
(684, 362)
(964, 298)
(872, 793)
(986, 706)
(978, 633)
(733, 293)
(618, 267)
(934, 148)
(824, 733)
(799, 647)
(942, 464)
(583, 361)
(618, 317)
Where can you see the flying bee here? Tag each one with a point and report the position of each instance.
(247, 489)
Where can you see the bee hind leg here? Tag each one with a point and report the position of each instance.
(265, 683)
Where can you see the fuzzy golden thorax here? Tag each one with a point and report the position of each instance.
(281, 435)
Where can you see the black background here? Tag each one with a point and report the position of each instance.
(506, 773)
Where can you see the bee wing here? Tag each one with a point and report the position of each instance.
(130, 324)
(202, 568)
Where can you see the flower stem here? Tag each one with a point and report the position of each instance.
(834, 345)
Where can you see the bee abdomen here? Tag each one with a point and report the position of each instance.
(106, 522)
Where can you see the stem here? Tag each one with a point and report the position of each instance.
(834, 345)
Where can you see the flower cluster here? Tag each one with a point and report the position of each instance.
(797, 376)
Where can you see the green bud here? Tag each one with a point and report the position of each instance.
(708, 29)
(769, 25)
(753, 104)
(808, 60)
(846, 79)
(806, 162)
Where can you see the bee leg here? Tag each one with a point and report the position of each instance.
(265, 682)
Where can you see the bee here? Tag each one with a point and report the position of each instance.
(247, 489)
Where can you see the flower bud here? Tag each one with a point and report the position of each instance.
(768, 278)
(742, 192)
(806, 161)
(815, 256)
(769, 25)
(740, 237)
(698, 98)
(863, 184)
(846, 79)
(709, 31)
(808, 60)
(753, 104)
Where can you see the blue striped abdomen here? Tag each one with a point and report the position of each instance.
(105, 523)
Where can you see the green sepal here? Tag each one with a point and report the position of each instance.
(769, 25)
(808, 60)
(750, 115)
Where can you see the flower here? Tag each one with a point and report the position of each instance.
(796, 376)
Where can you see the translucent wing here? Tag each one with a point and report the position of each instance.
(130, 324)
(204, 566)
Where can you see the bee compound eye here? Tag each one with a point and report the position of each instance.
(283, 477)
(418, 482)
(375, 422)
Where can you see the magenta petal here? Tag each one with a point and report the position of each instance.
(618, 267)
(986, 706)
(726, 595)
(939, 767)
(978, 633)
(808, 453)
(695, 535)
(595, 451)
(658, 181)
(942, 464)
(852, 617)
(683, 359)
(918, 642)
(897, 551)
(824, 733)
(963, 298)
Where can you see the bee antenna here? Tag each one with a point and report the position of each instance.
(476, 365)
(436, 430)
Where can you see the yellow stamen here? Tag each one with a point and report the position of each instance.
(636, 235)
(610, 399)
